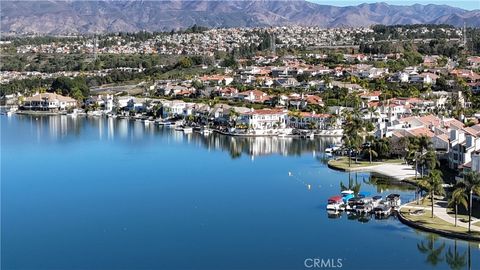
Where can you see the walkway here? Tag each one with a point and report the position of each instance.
(397, 171)
(441, 212)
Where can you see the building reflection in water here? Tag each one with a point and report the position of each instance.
(60, 127)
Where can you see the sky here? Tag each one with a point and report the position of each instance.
(465, 4)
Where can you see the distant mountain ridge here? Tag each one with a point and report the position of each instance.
(64, 17)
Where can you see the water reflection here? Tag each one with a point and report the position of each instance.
(57, 128)
(457, 257)
(431, 249)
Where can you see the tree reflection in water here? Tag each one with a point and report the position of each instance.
(434, 253)
(454, 259)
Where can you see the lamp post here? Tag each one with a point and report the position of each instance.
(470, 212)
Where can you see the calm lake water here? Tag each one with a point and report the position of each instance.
(99, 193)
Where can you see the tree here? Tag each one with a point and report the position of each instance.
(471, 183)
(458, 197)
(186, 62)
(371, 153)
(433, 185)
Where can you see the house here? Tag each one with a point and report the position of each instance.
(462, 145)
(476, 161)
(264, 119)
(227, 92)
(371, 96)
(468, 75)
(216, 79)
(173, 108)
(254, 96)
(474, 61)
(307, 120)
(286, 82)
(48, 102)
(423, 78)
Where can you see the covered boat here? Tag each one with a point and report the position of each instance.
(334, 203)
(394, 200)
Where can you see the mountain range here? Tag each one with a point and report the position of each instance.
(67, 17)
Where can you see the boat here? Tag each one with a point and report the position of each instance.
(393, 200)
(187, 130)
(333, 214)
(347, 195)
(376, 200)
(206, 131)
(332, 149)
(334, 203)
(382, 210)
(363, 209)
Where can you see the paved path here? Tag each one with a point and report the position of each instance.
(441, 212)
(394, 170)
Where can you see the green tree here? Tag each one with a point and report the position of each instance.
(433, 185)
(471, 183)
(458, 197)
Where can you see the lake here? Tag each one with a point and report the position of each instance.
(99, 193)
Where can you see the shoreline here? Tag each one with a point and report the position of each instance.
(424, 226)
(398, 171)
(320, 133)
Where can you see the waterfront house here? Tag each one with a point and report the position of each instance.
(463, 143)
(173, 108)
(309, 120)
(264, 119)
(48, 102)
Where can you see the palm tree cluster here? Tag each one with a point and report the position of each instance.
(469, 185)
(421, 153)
(353, 132)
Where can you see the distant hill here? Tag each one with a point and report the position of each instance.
(63, 17)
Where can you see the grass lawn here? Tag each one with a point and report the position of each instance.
(436, 223)
(343, 163)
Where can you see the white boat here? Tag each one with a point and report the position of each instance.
(206, 131)
(393, 200)
(376, 200)
(334, 203)
(74, 113)
(332, 149)
(187, 130)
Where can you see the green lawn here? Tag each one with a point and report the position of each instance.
(435, 222)
(343, 163)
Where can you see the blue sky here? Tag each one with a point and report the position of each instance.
(465, 4)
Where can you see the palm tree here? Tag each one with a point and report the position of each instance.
(371, 153)
(471, 182)
(372, 111)
(433, 185)
(458, 197)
